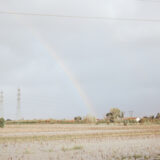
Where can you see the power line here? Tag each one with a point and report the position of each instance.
(150, 1)
(79, 17)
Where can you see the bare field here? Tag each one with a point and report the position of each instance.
(79, 141)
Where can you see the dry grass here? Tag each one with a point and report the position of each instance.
(80, 142)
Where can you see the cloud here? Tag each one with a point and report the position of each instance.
(116, 62)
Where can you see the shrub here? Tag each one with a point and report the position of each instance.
(100, 121)
(158, 116)
(90, 119)
(125, 123)
(77, 119)
(2, 122)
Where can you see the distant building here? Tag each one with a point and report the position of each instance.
(137, 119)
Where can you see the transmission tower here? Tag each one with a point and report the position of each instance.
(1, 105)
(18, 115)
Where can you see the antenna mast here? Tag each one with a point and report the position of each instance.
(18, 116)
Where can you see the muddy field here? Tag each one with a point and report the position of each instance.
(79, 142)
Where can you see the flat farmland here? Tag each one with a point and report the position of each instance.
(79, 141)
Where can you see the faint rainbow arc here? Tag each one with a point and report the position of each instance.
(68, 72)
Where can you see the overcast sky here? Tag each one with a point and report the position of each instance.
(116, 63)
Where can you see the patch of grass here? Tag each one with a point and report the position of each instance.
(64, 149)
(50, 150)
(77, 136)
(137, 156)
(146, 157)
(123, 157)
(27, 152)
(77, 147)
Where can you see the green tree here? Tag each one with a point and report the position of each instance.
(158, 116)
(116, 113)
(2, 122)
(109, 117)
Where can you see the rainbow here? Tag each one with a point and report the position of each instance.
(58, 59)
(68, 72)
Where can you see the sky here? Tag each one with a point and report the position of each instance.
(69, 67)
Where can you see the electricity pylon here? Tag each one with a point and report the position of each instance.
(1, 105)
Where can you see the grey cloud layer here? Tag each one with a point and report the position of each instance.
(117, 63)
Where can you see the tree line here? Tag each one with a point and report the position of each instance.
(114, 116)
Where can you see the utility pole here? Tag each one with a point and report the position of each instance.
(131, 113)
(1, 105)
(18, 115)
(124, 114)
